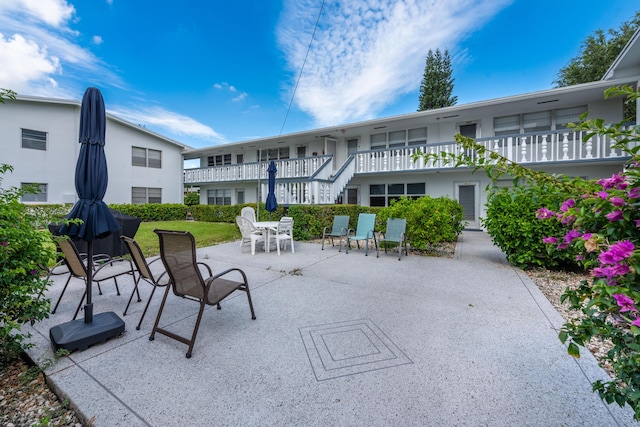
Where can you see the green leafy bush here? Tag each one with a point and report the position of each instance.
(429, 220)
(154, 211)
(192, 199)
(24, 250)
(513, 226)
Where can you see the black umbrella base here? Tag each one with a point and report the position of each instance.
(78, 335)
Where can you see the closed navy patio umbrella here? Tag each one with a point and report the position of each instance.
(271, 204)
(91, 185)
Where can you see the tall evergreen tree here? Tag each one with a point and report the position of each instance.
(437, 84)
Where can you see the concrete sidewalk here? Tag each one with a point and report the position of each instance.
(339, 340)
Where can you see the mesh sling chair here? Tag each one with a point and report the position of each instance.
(178, 253)
(339, 229)
(396, 228)
(103, 269)
(157, 279)
(363, 231)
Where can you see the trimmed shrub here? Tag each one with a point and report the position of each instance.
(154, 211)
(24, 252)
(429, 220)
(514, 227)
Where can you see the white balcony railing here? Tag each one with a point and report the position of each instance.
(288, 168)
(311, 180)
(541, 147)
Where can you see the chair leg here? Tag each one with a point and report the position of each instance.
(80, 305)
(292, 250)
(155, 325)
(195, 330)
(135, 288)
(61, 294)
(146, 307)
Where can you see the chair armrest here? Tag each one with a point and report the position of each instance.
(206, 266)
(227, 271)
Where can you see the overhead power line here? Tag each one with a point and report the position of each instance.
(301, 69)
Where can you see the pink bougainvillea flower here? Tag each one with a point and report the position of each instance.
(615, 215)
(615, 181)
(609, 273)
(603, 195)
(610, 182)
(617, 201)
(636, 322)
(544, 213)
(563, 246)
(568, 219)
(5, 243)
(623, 248)
(637, 222)
(625, 303)
(571, 235)
(587, 236)
(568, 205)
(550, 239)
(634, 193)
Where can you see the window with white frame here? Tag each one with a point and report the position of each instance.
(538, 121)
(564, 116)
(143, 195)
(417, 136)
(146, 157)
(280, 153)
(37, 192)
(397, 138)
(219, 160)
(383, 194)
(378, 140)
(34, 139)
(219, 197)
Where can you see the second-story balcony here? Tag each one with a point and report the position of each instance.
(528, 149)
(299, 168)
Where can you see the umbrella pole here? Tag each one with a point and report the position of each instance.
(88, 308)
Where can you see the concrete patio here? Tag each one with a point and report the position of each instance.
(339, 340)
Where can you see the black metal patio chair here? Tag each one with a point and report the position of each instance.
(178, 253)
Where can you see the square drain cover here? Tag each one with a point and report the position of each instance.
(346, 348)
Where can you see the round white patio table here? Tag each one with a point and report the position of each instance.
(267, 226)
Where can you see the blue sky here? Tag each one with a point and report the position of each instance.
(211, 72)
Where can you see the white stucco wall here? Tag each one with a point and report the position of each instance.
(56, 166)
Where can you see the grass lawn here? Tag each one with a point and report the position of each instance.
(205, 233)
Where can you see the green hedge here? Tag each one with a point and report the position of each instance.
(429, 220)
(514, 227)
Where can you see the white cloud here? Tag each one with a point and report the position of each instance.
(55, 13)
(23, 62)
(365, 54)
(97, 40)
(41, 55)
(174, 123)
(240, 97)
